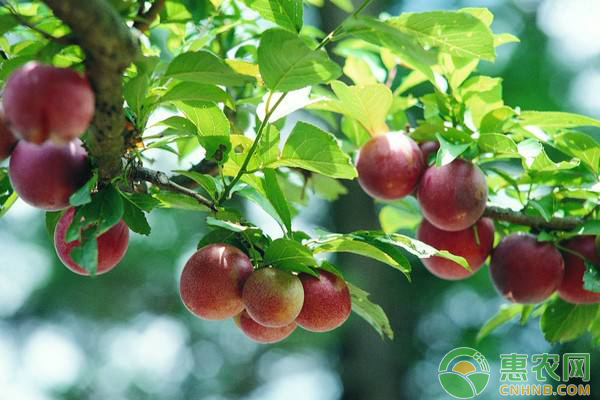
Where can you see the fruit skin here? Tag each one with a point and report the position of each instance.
(8, 141)
(260, 333)
(327, 303)
(46, 175)
(571, 289)
(273, 297)
(461, 243)
(453, 197)
(42, 101)
(390, 166)
(112, 245)
(524, 270)
(212, 281)
(427, 148)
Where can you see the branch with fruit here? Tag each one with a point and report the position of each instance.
(477, 171)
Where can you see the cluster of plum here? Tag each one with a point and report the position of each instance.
(219, 282)
(45, 111)
(453, 199)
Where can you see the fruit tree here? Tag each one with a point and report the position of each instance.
(280, 110)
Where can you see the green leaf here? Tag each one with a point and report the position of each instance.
(354, 131)
(359, 71)
(86, 254)
(169, 199)
(555, 120)
(457, 33)
(448, 151)
(180, 124)
(83, 194)
(204, 67)
(285, 13)
(142, 201)
(591, 277)
(213, 126)
(286, 63)
(582, 146)
(481, 95)
(103, 212)
(368, 104)
(135, 218)
(52, 218)
(337, 243)
(275, 196)
(505, 314)
(370, 312)
(268, 147)
(562, 321)
(206, 182)
(259, 198)
(497, 143)
(290, 255)
(311, 148)
(191, 91)
(327, 188)
(229, 225)
(401, 43)
(535, 157)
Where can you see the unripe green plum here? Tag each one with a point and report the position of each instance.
(212, 281)
(260, 333)
(453, 197)
(112, 245)
(389, 166)
(46, 175)
(273, 297)
(327, 303)
(42, 101)
(460, 243)
(524, 270)
(571, 289)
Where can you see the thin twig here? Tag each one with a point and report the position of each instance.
(145, 18)
(515, 217)
(161, 179)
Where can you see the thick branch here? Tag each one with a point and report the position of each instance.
(162, 180)
(515, 217)
(109, 48)
(144, 19)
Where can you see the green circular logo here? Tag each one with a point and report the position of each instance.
(464, 373)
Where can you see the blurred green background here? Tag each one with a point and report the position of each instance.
(126, 335)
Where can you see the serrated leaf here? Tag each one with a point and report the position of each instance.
(141, 200)
(290, 255)
(393, 218)
(457, 33)
(52, 218)
(177, 200)
(591, 277)
(562, 321)
(370, 312)
(276, 198)
(285, 13)
(286, 63)
(497, 143)
(212, 124)
(229, 225)
(204, 67)
(86, 254)
(505, 314)
(354, 131)
(448, 151)
(135, 218)
(206, 182)
(313, 149)
(337, 243)
(192, 91)
(536, 159)
(555, 120)
(104, 211)
(481, 94)
(83, 194)
(582, 146)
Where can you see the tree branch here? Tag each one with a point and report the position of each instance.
(161, 179)
(109, 48)
(515, 217)
(144, 19)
